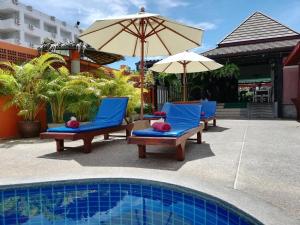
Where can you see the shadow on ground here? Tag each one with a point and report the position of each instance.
(24, 141)
(216, 129)
(117, 153)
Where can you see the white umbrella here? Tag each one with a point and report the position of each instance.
(185, 62)
(139, 35)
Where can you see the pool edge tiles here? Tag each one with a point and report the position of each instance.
(216, 209)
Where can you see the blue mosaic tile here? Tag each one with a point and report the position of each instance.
(234, 219)
(92, 203)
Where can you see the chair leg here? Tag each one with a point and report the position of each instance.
(180, 152)
(106, 136)
(205, 125)
(199, 137)
(129, 130)
(215, 122)
(59, 145)
(142, 151)
(87, 145)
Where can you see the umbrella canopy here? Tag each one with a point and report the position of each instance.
(141, 34)
(185, 62)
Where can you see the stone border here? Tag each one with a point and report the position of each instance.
(263, 211)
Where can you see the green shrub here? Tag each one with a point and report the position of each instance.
(26, 84)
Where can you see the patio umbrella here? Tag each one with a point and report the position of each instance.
(185, 62)
(139, 35)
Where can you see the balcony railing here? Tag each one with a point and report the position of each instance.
(13, 40)
(8, 23)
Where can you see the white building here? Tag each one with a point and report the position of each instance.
(23, 25)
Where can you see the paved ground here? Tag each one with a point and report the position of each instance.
(258, 159)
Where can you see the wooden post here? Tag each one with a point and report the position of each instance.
(87, 148)
(142, 39)
(106, 136)
(142, 151)
(199, 137)
(184, 82)
(59, 145)
(180, 152)
(205, 125)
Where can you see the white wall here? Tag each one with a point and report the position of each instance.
(44, 26)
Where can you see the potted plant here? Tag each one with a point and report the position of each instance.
(27, 90)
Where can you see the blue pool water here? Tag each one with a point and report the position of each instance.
(124, 202)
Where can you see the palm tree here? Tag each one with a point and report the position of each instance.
(121, 85)
(26, 84)
(84, 93)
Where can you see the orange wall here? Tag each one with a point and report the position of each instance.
(9, 120)
(290, 83)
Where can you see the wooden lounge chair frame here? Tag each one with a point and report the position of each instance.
(86, 136)
(204, 120)
(177, 142)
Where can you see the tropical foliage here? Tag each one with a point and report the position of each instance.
(122, 85)
(26, 84)
(220, 85)
(37, 82)
(84, 94)
(228, 70)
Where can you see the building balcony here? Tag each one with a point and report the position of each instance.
(8, 4)
(10, 24)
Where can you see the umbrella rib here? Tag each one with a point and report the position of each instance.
(129, 31)
(167, 67)
(117, 34)
(110, 25)
(154, 29)
(174, 31)
(161, 40)
(137, 30)
(145, 28)
(137, 38)
(135, 45)
(204, 66)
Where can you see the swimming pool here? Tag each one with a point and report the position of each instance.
(114, 201)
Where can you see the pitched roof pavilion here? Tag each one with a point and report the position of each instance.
(258, 33)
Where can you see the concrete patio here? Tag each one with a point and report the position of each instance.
(253, 164)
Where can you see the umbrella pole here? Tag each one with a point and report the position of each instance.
(142, 38)
(184, 82)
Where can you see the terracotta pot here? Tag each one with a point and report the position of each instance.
(29, 129)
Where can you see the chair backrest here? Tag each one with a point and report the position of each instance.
(166, 107)
(112, 110)
(184, 115)
(209, 107)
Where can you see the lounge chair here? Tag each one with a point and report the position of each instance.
(109, 119)
(165, 108)
(208, 111)
(185, 122)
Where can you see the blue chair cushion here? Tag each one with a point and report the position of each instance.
(184, 115)
(165, 109)
(82, 128)
(112, 110)
(110, 114)
(209, 108)
(149, 132)
(181, 117)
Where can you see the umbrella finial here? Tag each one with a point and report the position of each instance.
(142, 10)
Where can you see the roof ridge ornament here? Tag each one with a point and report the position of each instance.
(142, 10)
